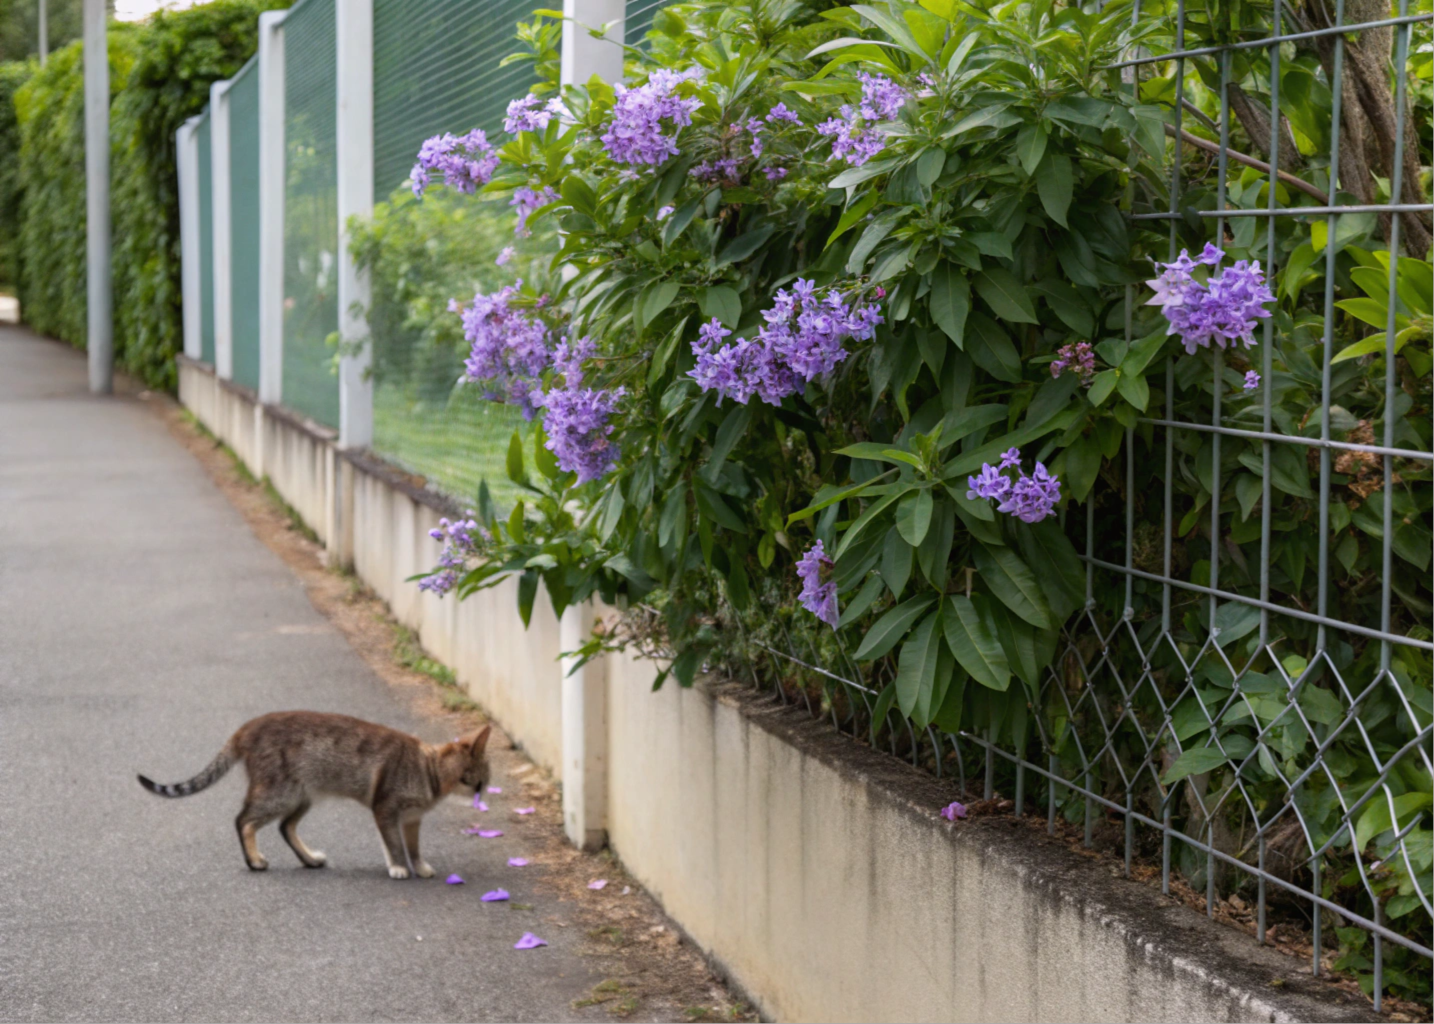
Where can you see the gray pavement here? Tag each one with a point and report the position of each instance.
(140, 623)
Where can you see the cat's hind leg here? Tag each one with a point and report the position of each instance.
(262, 804)
(421, 867)
(387, 819)
(289, 829)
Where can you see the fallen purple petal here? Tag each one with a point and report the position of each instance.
(494, 833)
(496, 896)
(495, 789)
(454, 880)
(480, 805)
(524, 810)
(598, 883)
(517, 862)
(529, 941)
(953, 810)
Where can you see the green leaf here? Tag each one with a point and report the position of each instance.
(712, 505)
(856, 175)
(1067, 304)
(1195, 761)
(865, 598)
(745, 245)
(579, 195)
(1006, 296)
(853, 215)
(1101, 387)
(516, 472)
(527, 594)
(916, 667)
(1375, 344)
(896, 559)
(890, 628)
(686, 664)
(913, 517)
(1011, 580)
(821, 501)
(974, 643)
(674, 510)
(1031, 146)
(881, 226)
(612, 509)
(1376, 819)
(875, 509)
(1061, 576)
(657, 298)
(987, 117)
(543, 458)
(929, 165)
(1134, 390)
(677, 221)
(950, 301)
(1054, 184)
(723, 303)
(990, 348)
(884, 700)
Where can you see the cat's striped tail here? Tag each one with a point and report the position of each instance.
(212, 774)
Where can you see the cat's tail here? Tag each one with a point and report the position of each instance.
(212, 774)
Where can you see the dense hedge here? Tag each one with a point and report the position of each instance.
(160, 73)
(13, 74)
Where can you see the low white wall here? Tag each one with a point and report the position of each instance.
(812, 870)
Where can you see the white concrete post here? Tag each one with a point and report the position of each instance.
(585, 757)
(271, 207)
(583, 55)
(44, 32)
(584, 735)
(223, 247)
(100, 340)
(186, 154)
(354, 27)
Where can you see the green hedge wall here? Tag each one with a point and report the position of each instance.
(160, 73)
(13, 74)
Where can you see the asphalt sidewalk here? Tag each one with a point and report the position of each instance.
(140, 623)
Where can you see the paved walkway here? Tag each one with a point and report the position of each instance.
(140, 623)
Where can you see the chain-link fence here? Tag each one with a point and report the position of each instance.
(244, 223)
(311, 226)
(638, 19)
(1244, 701)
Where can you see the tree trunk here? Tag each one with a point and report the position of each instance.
(1368, 117)
(1254, 117)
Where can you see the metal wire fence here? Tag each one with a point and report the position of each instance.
(638, 19)
(311, 228)
(424, 420)
(1310, 704)
(244, 223)
(204, 135)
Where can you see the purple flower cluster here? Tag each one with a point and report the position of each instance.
(510, 349)
(804, 338)
(1029, 498)
(717, 170)
(1252, 380)
(527, 200)
(461, 539)
(577, 420)
(1078, 357)
(1222, 310)
(855, 137)
(467, 162)
(529, 114)
(635, 134)
(817, 597)
(781, 113)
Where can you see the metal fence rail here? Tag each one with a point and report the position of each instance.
(1134, 683)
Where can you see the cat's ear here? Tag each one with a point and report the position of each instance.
(481, 740)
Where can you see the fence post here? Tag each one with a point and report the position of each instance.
(186, 155)
(220, 203)
(585, 689)
(271, 225)
(354, 142)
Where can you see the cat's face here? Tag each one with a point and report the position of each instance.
(475, 773)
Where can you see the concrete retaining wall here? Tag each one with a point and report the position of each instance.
(813, 871)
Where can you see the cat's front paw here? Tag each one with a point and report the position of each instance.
(423, 869)
(396, 871)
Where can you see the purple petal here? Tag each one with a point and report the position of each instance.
(598, 883)
(496, 896)
(490, 833)
(529, 941)
(524, 810)
(517, 862)
(953, 810)
(454, 880)
(495, 789)
(479, 805)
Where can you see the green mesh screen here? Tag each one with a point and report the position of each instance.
(639, 19)
(244, 223)
(311, 228)
(435, 69)
(206, 242)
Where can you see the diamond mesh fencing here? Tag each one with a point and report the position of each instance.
(206, 240)
(436, 69)
(244, 222)
(1244, 701)
(311, 228)
(638, 19)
